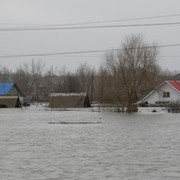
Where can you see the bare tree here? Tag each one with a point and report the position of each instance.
(21, 77)
(36, 68)
(84, 74)
(129, 67)
(5, 74)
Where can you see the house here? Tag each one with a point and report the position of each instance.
(10, 95)
(165, 93)
(69, 100)
(176, 77)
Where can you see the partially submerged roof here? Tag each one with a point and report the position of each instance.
(5, 88)
(69, 100)
(10, 101)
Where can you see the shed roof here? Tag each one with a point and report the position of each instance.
(69, 100)
(10, 101)
(5, 88)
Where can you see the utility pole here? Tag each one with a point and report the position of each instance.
(92, 86)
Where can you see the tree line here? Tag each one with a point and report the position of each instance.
(126, 75)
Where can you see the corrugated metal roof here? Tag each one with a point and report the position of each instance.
(175, 84)
(5, 88)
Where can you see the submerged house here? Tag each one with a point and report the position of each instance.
(69, 100)
(166, 93)
(10, 102)
(10, 95)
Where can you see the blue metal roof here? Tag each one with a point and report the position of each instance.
(5, 88)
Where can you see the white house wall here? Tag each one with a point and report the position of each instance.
(158, 95)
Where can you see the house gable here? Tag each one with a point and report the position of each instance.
(165, 93)
(15, 91)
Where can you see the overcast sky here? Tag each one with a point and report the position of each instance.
(18, 13)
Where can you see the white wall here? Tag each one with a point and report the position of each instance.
(158, 95)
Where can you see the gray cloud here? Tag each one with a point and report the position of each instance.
(40, 12)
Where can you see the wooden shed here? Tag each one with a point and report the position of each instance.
(69, 100)
(10, 102)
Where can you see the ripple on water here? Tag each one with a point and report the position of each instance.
(34, 145)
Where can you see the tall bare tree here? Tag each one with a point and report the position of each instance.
(130, 66)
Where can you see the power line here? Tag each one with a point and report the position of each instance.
(101, 22)
(101, 56)
(81, 52)
(169, 56)
(118, 20)
(90, 27)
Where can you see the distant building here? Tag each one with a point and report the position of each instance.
(176, 77)
(10, 95)
(165, 93)
(71, 100)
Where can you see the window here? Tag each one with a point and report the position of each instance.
(166, 94)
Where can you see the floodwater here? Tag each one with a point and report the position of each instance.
(34, 145)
